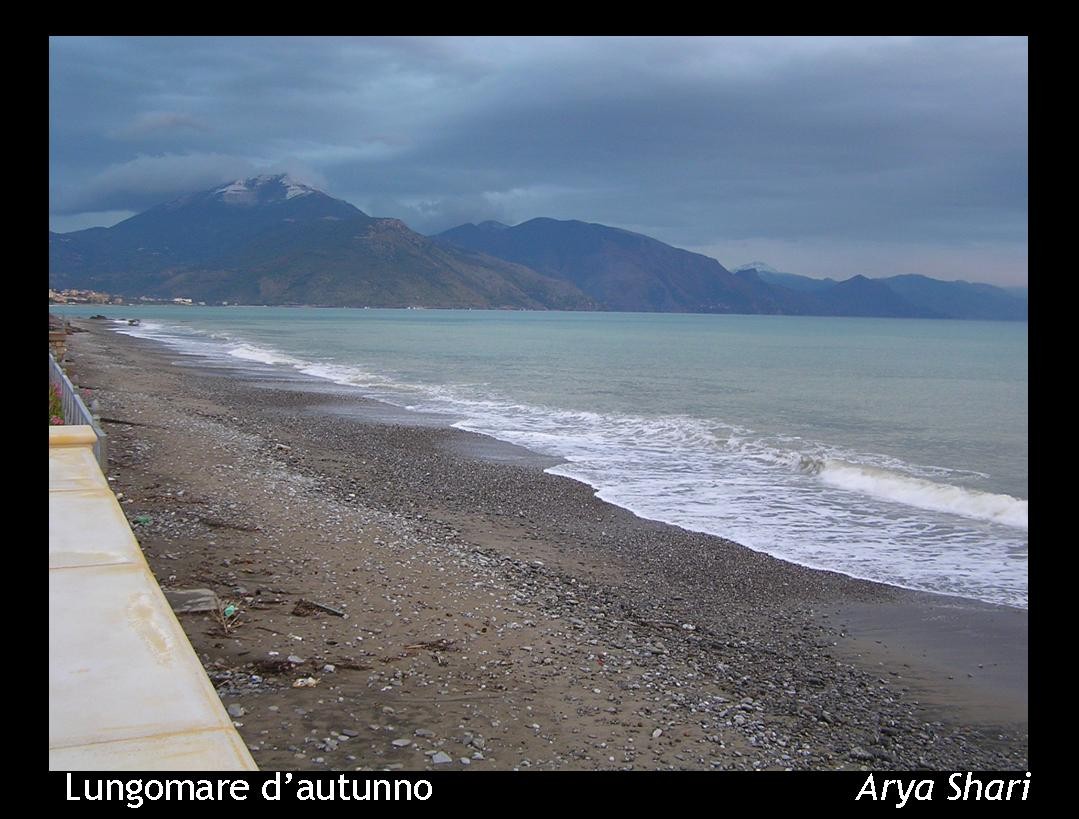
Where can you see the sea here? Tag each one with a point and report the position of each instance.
(893, 450)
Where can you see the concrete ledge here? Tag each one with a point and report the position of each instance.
(215, 750)
(126, 690)
(71, 543)
(112, 643)
(74, 467)
(71, 435)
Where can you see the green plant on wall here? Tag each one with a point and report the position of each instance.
(56, 409)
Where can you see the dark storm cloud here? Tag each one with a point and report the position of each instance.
(704, 143)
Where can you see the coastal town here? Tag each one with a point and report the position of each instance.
(76, 296)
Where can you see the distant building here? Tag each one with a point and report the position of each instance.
(72, 296)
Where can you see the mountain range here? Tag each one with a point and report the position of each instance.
(274, 240)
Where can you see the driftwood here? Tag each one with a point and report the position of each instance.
(105, 420)
(433, 645)
(224, 524)
(305, 607)
(350, 665)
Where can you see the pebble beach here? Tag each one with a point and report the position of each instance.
(410, 596)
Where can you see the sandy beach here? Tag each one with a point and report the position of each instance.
(497, 617)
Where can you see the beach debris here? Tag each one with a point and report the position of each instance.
(433, 645)
(306, 682)
(186, 601)
(273, 665)
(142, 520)
(224, 524)
(350, 665)
(656, 734)
(227, 616)
(236, 710)
(305, 607)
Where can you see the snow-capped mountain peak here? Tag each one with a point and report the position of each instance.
(760, 267)
(244, 191)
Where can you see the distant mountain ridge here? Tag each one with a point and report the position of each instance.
(628, 271)
(272, 239)
(930, 298)
(620, 270)
(792, 281)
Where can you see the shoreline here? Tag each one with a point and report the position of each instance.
(787, 666)
(353, 401)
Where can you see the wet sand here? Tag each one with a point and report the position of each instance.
(498, 617)
(962, 658)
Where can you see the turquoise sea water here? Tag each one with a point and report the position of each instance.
(890, 449)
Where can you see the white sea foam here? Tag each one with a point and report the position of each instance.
(720, 479)
(263, 355)
(144, 329)
(924, 494)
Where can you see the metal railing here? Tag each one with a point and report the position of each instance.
(76, 412)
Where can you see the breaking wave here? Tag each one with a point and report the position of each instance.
(920, 493)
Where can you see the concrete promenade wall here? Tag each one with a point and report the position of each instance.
(126, 690)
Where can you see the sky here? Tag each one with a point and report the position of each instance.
(818, 156)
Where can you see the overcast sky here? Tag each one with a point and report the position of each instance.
(818, 156)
